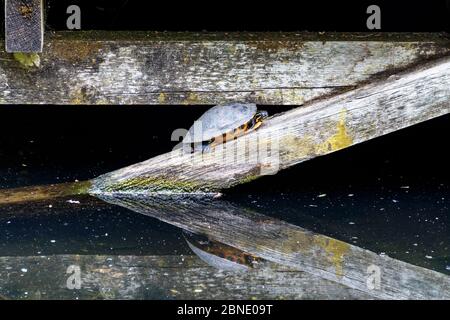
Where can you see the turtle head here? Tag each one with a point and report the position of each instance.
(260, 115)
(258, 119)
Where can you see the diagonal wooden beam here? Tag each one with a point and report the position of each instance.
(322, 127)
(317, 129)
(24, 25)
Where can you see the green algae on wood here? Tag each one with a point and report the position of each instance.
(27, 60)
(150, 185)
(43, 192)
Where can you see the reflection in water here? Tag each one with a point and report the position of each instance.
(389, 196)
(219, 255)
(288, 245)
(225, 235)
(84, 225)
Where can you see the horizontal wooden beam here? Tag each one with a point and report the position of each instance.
(317, 129)
(205, 68)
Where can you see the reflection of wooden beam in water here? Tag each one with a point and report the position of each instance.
(158, 277)
(292, 246)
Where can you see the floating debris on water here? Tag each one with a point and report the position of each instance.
(322, 195)
(428, 257)
(73, 201)
(218, 195)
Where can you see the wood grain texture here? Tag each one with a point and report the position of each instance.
(191, 69)
(286, 139)
(157, 277)
(292, 246)
(24, 25)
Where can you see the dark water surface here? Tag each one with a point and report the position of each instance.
(390, 195)
(202, 15)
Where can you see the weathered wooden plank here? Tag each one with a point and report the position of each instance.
(292, 246)
(289, 138)
(317, 129)
(160, 68)
(157, 277)
(44, 192)
(24, 25)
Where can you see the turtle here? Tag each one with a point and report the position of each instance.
(223, 123)
(219, 255)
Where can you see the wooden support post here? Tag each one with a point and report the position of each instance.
(317, 129)
(24, 25)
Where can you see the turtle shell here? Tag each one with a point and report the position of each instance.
(220, 120)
